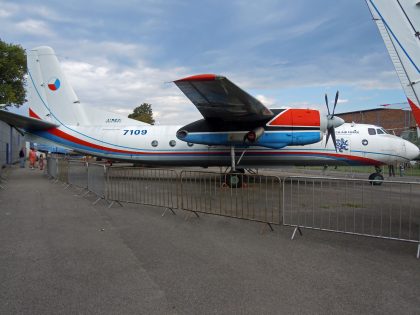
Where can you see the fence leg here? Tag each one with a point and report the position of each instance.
(112, 203)
(418, 251)
(96, 201)
(170, 209)
(297, 228)
(86, 193)
(264, 225)
(189, 215)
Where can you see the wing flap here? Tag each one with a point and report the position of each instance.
(25, 122)
(216, 97)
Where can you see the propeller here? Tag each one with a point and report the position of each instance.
(332, 121)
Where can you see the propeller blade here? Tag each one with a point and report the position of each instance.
(328, 137)
(326, 103)
(332, 122)
(332, 131)
(335, 103)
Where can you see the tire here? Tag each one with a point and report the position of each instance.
(376, 179)
(234, 180)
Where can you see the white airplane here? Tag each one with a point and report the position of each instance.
(233, 120)
(398, 22)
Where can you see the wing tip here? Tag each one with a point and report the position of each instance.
(200, 77)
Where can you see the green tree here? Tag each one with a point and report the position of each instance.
(12, 74)
(143, 113)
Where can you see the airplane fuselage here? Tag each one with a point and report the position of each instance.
(357, 144)
(232, 119)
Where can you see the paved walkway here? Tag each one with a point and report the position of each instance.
(61, 254)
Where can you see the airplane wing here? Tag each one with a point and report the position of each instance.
(217, 98)
(25, 122)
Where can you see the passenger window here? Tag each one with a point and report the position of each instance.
(154, 143)
(379, 131)
(190, 144)
(371, 131)
(172, 143)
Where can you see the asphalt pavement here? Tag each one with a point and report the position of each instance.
(59, 254)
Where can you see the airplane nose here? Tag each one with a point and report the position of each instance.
(412, 151)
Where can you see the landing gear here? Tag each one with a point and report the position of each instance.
(235, 176)
(376, 178)
(234, 180)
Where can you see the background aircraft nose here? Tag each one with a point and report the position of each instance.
(412, 151)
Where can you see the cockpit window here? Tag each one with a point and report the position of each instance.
(385, 131)
(371, 131)
(380, 131)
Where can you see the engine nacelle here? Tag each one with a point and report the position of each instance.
(253, 135)
(288, 127)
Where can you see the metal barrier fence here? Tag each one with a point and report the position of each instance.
(96, 179)
(351, 206)
(77, 174)
(3, 176)
(257, 198)
(149, 186)
(52, 167)
(63, 170)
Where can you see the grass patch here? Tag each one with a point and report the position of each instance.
(409, 171)
(352, 205)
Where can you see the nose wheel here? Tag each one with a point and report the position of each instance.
(376, 179)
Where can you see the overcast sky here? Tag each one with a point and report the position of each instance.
(119, 54)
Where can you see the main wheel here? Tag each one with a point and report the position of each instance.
(376, 179)
(234, 180)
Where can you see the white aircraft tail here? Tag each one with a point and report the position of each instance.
(51, 97)
(398, 22)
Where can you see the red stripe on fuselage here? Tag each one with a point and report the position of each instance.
(61, 134)
(336, 155)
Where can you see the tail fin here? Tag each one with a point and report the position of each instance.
(399, 22)
(51, 97)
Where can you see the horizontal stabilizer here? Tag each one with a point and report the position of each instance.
(24, 122)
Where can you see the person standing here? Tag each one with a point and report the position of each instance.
(401, 169)
(41, 161)
(32, 158)
(391, 170)
(22, 157)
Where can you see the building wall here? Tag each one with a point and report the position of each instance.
(10, 143)
(396, 120)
